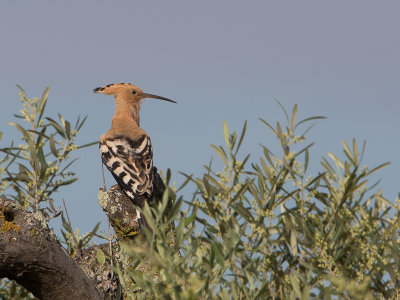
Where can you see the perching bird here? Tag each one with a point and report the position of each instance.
(126, 148)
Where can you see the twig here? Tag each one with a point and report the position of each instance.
(104, 179)
(71, 230)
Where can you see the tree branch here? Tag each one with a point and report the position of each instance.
(31, 255)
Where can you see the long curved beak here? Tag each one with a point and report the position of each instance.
(145, 95)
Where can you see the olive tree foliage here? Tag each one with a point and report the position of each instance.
(36, 167)
(268, 229)
(257, 228)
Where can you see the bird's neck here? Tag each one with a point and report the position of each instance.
(124, 110)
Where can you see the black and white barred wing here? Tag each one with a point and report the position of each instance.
(131, 164)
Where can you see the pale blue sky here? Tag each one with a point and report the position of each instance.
(221, 60)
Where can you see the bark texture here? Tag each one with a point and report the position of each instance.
(31, 255)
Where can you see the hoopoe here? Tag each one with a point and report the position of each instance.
(126, 148)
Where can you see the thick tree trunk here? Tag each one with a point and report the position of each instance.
(31, 255)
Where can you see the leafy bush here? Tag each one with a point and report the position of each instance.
(32, 171)
(269, 230)
(43, 159)
(256, 229)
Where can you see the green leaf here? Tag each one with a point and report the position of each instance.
(79, 125)
(56, 126)
(241, 137)
(42, 105)
(221, 154)
(306, 160)
(67, 182)
(68, 129)
(53, 147)
(192, 217)
(294, 116)
(283, 109)
(218, 253)
(337, 161)
(268, 125)
(226, 135)
(308, 119)
(295, 286)
(88, 145)
(100, 257)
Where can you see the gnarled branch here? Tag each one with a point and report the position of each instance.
(31, 255)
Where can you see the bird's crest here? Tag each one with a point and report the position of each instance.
(119, 89)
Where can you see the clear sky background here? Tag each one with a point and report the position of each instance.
(221, 60)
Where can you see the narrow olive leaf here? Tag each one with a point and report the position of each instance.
(67, 182)
(213, 181)
(309, 119)
(304, 149)
(355, 151)
(175, 209)
(68, 129)
(306, 160)
(218, 253)
(294, 117)
(260, 291)
(307, 130)
(19, 127)
(255, 195)
(212, 257)
(295, 285)
(192, 217)
(221, 154)
(238, 207)
(21, 89)
(22, 169)
(88, 145)
(100, 257)
(53, 146)
(33, 159)
(327, 166)
(266, 170)
(363, 150)
(78, 127)
(226, 135)
(283, 109)
(42, 105)
(186, 181)
(68, 165)
(337, 161)
(56, 126)
(377, 168)
(233, 138)
(268, 125)
(267, 156)
(348, 153)
(179, 231)
(239, 193)
(168, 176)
(241, 137)
(40, 135)
(62, 120)
(43, 163)
(150, 222)
(279, 134)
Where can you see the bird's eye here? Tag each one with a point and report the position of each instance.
(133, 92)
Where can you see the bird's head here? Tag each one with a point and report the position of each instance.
(127, 92)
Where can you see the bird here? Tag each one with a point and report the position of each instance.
(126, 148)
